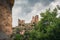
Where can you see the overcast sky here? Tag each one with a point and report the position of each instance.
(25, 9)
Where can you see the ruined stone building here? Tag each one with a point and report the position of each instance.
(6, 16)
(35, 19)
(26, 26)
(21, 22)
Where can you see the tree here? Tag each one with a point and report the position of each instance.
(48, 28)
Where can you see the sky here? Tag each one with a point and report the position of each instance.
(25, 9)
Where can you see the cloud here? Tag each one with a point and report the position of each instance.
(25, 9)
(44, 2)
(27, 5)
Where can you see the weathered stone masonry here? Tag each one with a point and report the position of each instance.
(6, 16)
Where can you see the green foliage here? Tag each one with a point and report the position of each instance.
(18, 37)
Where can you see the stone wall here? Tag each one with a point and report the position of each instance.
(6, 16)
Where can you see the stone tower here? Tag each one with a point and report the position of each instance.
(6, 16)
(35, 19)
(21, 22)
